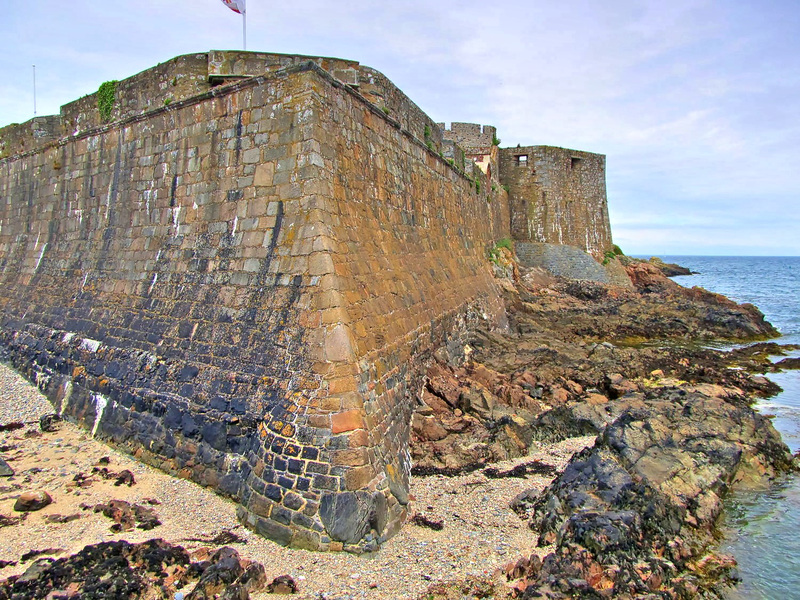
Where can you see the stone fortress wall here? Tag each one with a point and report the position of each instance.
(238, 277)
(558, 196)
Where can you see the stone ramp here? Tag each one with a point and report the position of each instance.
(564, 261)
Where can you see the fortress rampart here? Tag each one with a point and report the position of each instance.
(558, 196)
(238, 277)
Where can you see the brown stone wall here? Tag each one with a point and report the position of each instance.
(24, 137)
(381, 92)
(410, 270)
(235, 287)
(176, 79)
(558, 196)
(158, 287)
(223, 64)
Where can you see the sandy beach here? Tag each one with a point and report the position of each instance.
(480, 532)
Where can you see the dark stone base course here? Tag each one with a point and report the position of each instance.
(159, 428)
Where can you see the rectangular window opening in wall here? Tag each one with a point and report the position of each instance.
(574, 162)
(522, 159)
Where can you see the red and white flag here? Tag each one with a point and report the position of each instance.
(235, 5)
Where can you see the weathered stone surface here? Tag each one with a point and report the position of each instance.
(5, 469)
(349, 516)
(558, 197)
(245, 298)
(32, 501)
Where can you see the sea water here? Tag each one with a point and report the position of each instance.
(762, 529)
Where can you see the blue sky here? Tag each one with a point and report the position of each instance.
(695, 103)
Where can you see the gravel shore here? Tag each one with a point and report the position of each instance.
(20, 401)
(480, 532)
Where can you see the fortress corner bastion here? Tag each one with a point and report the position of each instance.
(237, 268)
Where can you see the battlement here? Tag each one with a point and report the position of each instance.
(192, 75)
(474, 138)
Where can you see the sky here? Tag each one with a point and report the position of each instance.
(695, 103)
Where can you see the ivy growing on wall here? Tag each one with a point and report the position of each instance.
(106, 97)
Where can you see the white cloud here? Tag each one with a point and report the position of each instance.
(696, 103)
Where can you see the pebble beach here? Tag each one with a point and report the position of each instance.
(480, 532)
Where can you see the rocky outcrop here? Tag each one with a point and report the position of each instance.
(670, 269)
(635, 514)
(468, 416)
(576, 345)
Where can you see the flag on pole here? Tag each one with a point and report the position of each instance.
(236, 6)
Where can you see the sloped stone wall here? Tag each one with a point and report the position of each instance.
(235, 287)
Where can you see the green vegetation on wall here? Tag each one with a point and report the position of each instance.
(494, 251)
(106, 98)
(612, 254)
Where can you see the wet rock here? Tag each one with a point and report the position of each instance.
(224, 569)
(11, 426)
(634, 513)
(283, 584)
(125, 478)
(423, 521)
(788, 363)
(34, 553)
(127, 516)
(32, 501)
(225, 575)
(152, 569)
(6, 521)
(122, 478)
(102, 571)
(62, 518)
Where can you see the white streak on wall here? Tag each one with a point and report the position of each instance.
(100, 403)
(41, 256)
(90, 345)
(67, 396)
(152, 283)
